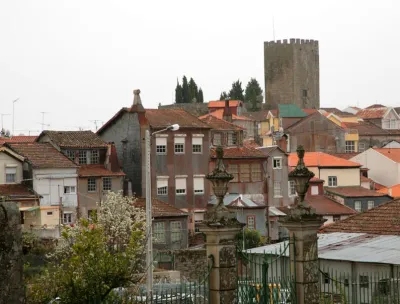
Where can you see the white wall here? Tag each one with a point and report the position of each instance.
(345, 176)
(392, 144)
(50, 184)
(7, 160)
(381, 169)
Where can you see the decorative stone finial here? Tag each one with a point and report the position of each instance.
(136, 97)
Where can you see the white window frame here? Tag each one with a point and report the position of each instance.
(159, 232)
(392, 123)
(69, 190)
(94, 156)
(197, 145)
(350, 146)
(11, 171)
(371, 204)
(70, 154)
(162, 186)
(277, 190)
(358, 206)
(332, 181)
(312, 190)
(232, 139)
(198, 185)
(82, 155)
(219, 139)
(176, 231)
(292, 188)
(107, 183)
(92, 187)
(180, 185)
(251, 222)
(161, 145)
(69, 215)
(278, 164)
(256, 173)
(179, 145)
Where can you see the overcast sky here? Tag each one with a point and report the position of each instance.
(80, 60)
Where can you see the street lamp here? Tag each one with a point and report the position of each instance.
(149, 232)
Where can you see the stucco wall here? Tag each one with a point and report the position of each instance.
(7, 160)
(260, 215)
(345, 176)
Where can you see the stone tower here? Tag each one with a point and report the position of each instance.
(291, 70)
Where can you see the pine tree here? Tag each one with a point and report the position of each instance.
(253, 95)
(185, 90)
(178, 93)
(200, 97)
(223, 96)
(236, 91)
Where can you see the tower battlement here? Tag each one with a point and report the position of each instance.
(292, 41)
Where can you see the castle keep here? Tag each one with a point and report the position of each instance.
(291, 71)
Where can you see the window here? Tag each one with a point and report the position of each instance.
(159, 232)
(70, 154)
(336, 218)
(364, 281)
(350, 147)
(179, 145)
(91, 184)
(256, 172)
(180, 185)
(11, 175)
(292, 188)
(162, 186)
(251, 222)
(82, 157)
(176, 234)
(197, 144)
(371, 204)
(107, 183)
(314, 190)
(49, 213)
(161, 145)
(69, 189)
(332, 181)
(244, 172)
(305, 93)
(277, 163)
(392, 124)
(198, 184)
(357, 206)
(217, 139)
(94, 157)
(234, 170)
(232, 139)
(361, 147)
(67, 217)
(277, 189)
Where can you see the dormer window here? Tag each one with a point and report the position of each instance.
(232, 139)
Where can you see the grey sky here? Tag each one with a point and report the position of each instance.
(80, 60)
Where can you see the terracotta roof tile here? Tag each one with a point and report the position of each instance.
(365, 179)
(353, 191)
(17, 191)
(239, 152)
(376, 105)
(74, 139)
(310, 111)
(221, 103)
(345, 155)
(220, 113)
(372, 113)
(42, 155)
(17, 139)
(320, 159)
(393, 191)
(97, 170)
(257, 116)
(391, 153)
(219, 124)
(159, 208)
(383, 219)
(368, 128)
(337, 112)
(162, 118)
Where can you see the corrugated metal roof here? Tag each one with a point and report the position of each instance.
(238, 201)
(356, 247)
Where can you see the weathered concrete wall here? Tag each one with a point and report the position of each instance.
(291, 67)
(11, 265)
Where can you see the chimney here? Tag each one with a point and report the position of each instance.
(137, 102)
(227, 115)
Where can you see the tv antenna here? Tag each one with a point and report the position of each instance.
(95, 121)
(42, 123)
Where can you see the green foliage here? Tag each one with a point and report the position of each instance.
(93, 258)
(236, 91)
(223, 96)
(252, 239)
(253, 95)
(188, 92)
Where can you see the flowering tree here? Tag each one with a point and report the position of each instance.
(94, 257)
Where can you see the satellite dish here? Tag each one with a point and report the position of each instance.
(281, 130)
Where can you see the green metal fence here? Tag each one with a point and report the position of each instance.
(266, 277)
(354, 287)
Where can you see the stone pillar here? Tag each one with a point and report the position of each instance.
(304, 256)
(221, 247)
(11, 264)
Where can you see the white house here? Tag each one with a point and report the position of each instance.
(54, 177)
(383, 165)
(384, 117)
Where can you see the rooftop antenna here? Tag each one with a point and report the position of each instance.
(95, 121)
(42, 123)
(2, 115)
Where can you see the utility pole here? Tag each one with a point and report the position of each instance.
(14, 101)
(2, 120)
(43, 124)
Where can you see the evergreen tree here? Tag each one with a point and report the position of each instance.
(253, 95)
(185, 90)
(223, 96)
(236, 91)
(193, 91)
(178, 93)
(200, 97)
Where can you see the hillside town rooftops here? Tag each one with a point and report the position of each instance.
(235, 200)
(353, 191)
(221, 103)
(239, 152)
(220, 124)
(159, 208)
(372, 112)
(162, 118)
(321, 159)
(74, 139)
(97, 170)
(17, 139)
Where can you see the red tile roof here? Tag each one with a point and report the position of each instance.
(320, 159)
(239, 152)
(393, 191)
(74, 139)
(257, 116)
(17, 139)
(219, 124)
(220, 114)
(162, 118)
(316, 180)
(345, 155)
(376, 105)
(17, 191)
(97, 170)
(368, 128)
(159, 208)
(372, 113)
(310, 111)
(353, 191)
(365, 179)
(383, 219)
(221, 103)
(391, 153)
(42, 155)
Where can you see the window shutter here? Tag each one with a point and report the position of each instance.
(11, 170)
(161, 141)
(179, 140)
(198, 183)
(180, 183)
(197, 141)
(162, 183)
